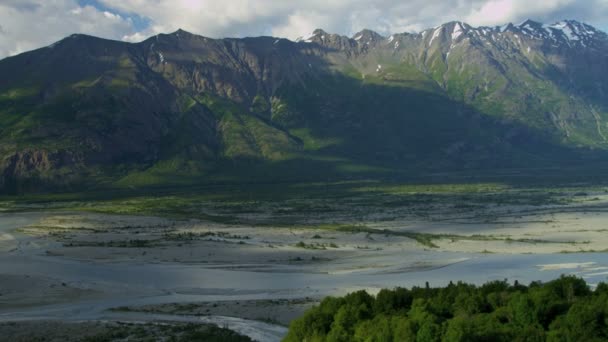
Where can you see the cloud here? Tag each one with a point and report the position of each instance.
(291, 19)
(29, 24)
(494, 12)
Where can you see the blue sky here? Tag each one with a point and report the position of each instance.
(29, 24)
(139, 23)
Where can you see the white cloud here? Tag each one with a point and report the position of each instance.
(28, 24)
(289, 18)
(295, 18)
(299, 23)
(496, 12)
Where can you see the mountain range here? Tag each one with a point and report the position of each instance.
(180, 108)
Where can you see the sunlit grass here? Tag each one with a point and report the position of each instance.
(404, 189)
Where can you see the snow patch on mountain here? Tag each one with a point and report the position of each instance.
(436, 34)
(565, 29)
(457, 32)
(307, 38)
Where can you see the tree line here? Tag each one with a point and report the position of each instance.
(565, 309)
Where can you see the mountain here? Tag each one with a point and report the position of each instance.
(180, 108)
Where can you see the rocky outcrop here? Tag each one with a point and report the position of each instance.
(36, 170)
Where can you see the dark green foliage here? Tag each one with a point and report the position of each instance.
(561, 310)
(260, 105)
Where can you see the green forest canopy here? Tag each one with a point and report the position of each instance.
(561, 310)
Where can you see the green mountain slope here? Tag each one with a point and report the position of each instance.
(180, 108)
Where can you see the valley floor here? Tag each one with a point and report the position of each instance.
(254, 265)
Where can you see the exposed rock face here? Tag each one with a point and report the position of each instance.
(29, 169)
(27, 162)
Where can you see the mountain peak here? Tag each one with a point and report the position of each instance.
(571, 22)
(367, 36)
(315, 35)
(455, 23)
(459, 28)
(574, 24)
(506, 27)
(79, 38)
(531, 24)
(573, 31)
(82, 36)
(319, 32)
(181, 32)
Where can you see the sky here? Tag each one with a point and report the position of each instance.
(30, 24)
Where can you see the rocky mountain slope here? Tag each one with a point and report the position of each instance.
(177, 108)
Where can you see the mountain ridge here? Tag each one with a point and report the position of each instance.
(178, 106)
(566, 25)
(319, 31)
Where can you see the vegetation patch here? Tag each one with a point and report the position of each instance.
(192, 236)
(561, 310)
(302, 244)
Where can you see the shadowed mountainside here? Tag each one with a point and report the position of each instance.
(180, 108)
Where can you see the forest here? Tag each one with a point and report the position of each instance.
(565, 309)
